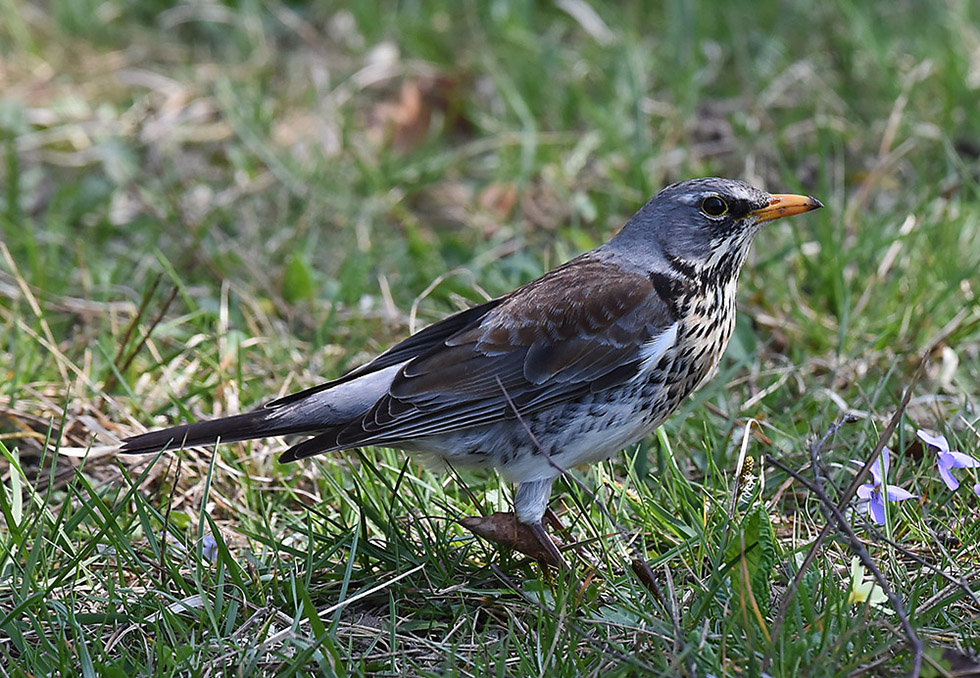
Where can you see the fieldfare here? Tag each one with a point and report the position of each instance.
(566, 370)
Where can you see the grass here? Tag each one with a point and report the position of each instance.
(206, 205)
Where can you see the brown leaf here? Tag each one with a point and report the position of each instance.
(402, 121)
(498, 198)
(504, 529)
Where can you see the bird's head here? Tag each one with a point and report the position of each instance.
(703, 227)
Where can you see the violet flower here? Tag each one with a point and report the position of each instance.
(872, 491)
(209, 548)
(948, 459)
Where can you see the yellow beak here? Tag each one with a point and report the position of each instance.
(785, 205)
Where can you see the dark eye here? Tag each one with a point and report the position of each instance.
(713, 206)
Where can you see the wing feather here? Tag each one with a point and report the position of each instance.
(418, 343)
(579, 329)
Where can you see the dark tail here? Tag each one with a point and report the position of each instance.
(257, 424)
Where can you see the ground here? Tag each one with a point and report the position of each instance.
(204, 206)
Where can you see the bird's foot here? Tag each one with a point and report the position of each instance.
(504, 529)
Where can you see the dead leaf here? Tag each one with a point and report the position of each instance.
(403, 120)
(504, 529)
(498, 198)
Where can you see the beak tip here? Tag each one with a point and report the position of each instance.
(786, 205)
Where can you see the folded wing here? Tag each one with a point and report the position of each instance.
(578, 329)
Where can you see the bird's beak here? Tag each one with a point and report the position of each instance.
(785, 205)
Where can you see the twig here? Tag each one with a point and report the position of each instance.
(962, 583)
(562, 471)
(142, 342)
(638, 564)
(844, 526)
(642, 570)
(845, 499)
(130, 328)
(818, 446)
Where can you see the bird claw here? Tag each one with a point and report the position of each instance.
(503, 528)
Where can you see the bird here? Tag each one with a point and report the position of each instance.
(566, 370)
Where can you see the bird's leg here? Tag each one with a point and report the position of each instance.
(522, 530)
(530, 505)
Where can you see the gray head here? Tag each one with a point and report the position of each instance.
(703, 227)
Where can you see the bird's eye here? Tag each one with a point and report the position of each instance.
(713, 206)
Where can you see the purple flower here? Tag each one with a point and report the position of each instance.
(949, 459)
(209, 548)
(871, 492)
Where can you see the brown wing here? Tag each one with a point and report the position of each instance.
(418, 343)
(579, 328)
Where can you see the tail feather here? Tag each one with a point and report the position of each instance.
(315, 411)
(325, 441)
(257, 424)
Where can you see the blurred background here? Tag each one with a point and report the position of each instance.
(206, 204)
(322, 159)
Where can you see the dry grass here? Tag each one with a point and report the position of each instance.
(206, 206)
